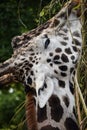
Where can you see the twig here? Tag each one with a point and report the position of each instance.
(78, 107)
(80, 94)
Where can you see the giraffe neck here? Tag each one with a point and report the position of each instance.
(59, 112)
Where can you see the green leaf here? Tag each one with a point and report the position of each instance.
(42, 13)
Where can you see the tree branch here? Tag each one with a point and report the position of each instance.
(7, 79)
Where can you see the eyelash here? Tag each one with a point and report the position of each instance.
(47, 42)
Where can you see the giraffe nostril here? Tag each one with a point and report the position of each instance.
(45, 85)
(42, 89)
(47, 42)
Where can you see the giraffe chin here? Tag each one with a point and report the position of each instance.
(45, 92)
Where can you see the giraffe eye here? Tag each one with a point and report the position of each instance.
(47, 42)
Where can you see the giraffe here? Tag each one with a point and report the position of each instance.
(44, 61)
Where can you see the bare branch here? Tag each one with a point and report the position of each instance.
(6, 67)
(7, 79)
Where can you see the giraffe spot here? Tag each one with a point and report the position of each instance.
(55, 72)
(40, 28)
(74, 112)
(63, 74)
(55, 23)
(57, 62)
(32, 73)
(48, 60)
(32, 54)
(66, 100)
(36, 62)
(72, 57)
(23, 59)
(46, 25)
(61, 83)
(65, 30)
(71, 87)
(35, 57)
(26, 37)
(68, 51)
(70, 124)
(58, 50)
(74, 62)
(62, 14)
(31, 58)
(27, 69)
(64, 58)
(75, 48)
(51, 64)
(45, 35)
(71, 70)
(50, 54)
(63, 43)
(29, 81)
(63, 68)
(31, 49)
(28, 89)
(49, 127)
(76, 34)
(30, 65)
(33, 61)
(56, 57)
(41, 114)
(56, 108)
(65, 38)
(61, 34)
(76, 42)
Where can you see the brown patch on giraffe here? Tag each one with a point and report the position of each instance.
(41, 114)
(55, 23)
(63, 14)
(76, 42)
(58, 50)
(65, 30)
(61, 83)
(48, 60)
(75, 48)
(63, 43)
(70, 124)
(64, 58)
(65, 38)
(63, 68)
(68, 50)
(56, 108)
(71, 87)
(66, 100)
(49, 127)
(76, 34)
(51, 54)
(63, 74)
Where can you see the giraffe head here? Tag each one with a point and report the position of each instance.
(46, 54)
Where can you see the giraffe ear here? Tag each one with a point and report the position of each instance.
(45, 92)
